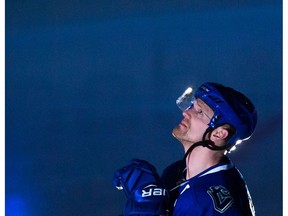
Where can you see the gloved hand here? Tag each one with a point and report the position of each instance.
(141, 184)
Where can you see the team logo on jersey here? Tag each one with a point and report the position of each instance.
(221, 197)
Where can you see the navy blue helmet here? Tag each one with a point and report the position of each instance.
(230, 107)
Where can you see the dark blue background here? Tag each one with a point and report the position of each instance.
(92, 84)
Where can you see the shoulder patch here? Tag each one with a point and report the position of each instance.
(221, 197)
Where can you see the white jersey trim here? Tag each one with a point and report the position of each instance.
(217, 169)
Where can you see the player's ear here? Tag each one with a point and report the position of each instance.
(220, 133)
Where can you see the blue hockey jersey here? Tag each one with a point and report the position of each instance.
(219, 190)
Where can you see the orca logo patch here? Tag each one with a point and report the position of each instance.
(221, 197)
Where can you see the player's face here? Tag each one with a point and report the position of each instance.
(194, 123)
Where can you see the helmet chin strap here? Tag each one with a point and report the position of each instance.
(205, 143)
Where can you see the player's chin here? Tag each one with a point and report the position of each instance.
(177, 133)
(174, 133)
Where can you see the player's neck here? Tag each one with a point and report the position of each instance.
(200, 159)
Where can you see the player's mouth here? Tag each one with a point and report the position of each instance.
(183, 124)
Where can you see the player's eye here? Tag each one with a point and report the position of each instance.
(199, 111)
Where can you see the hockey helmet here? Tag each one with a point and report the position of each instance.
(230, 107)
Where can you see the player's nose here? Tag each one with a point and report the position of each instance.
(187, 113)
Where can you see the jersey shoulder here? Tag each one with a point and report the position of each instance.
(219, 190)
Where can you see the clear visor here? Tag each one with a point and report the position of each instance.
(186, 100)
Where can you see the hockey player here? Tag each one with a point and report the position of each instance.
(205, 182)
